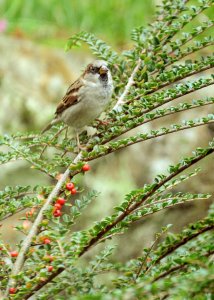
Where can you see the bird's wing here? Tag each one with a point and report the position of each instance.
(70, 98)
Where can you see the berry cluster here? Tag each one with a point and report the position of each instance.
(57, 212)
(61, 201)
(70, 187)
(58, 206)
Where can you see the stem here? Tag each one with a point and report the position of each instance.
(184, 241)
(100, 235)
(146, 256)
(128, 86)
(166, 273)
(34, 229)
(30, 161)
(166, 40)
(173, 269)
(109, 149)
(178, 78)
(55, 135)
(182, 55)
(144, 198)
(168, 23)
(194, 89)
(150, 120)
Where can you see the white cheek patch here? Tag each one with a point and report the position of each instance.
(91, 80)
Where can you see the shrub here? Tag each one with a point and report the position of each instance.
(146, 78)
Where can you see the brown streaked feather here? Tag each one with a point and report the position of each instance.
(70, 98)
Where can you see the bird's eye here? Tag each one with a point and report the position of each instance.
(94, 70)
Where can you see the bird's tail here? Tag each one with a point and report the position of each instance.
(55, 121)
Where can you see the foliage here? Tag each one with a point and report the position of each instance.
(147, 79)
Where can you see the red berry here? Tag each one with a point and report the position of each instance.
(57, 206)
(50, 268)
(46, 241)
(57, 213)
(12, 290)
(69, 186)
(60, 201)
(73, 191)
(86, 168)
(14, 253)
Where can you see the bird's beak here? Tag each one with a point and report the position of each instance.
(103, 70)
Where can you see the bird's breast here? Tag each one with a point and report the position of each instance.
(92, 100)
(97, 94)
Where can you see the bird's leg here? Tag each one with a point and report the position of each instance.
(79, 146)
(66, 137)
(66, 133)
(78, 142)
(55, 135)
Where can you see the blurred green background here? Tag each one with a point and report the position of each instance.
(112, 20)
(34, 74)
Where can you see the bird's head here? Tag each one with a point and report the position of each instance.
(98, 70)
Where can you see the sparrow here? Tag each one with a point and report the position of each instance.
(85, 98)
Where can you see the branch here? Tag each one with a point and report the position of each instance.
(168, 206)
(34, 229)
(168, 111)
(192, 17)
(123, 215)
(144, 198)
(168, 22)
(120, 101)
(146, 256)
(123, 143)
(37, 166)
(178, 78)
(174, 98)
(184, 241)
(173, 269)
(182, 55)
(178, 95)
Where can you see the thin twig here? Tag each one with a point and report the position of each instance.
(175, 268)
(181, 56)
(55, 135)
(146, 256)
(122, 216)
(61, 248)
(170, 112)
(180, 243)
(30, 161)
(120, 101)
(110, 148)
(179, 78)
(34, 229)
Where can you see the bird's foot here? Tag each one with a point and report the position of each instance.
(102, 122)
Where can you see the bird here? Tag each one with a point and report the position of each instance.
(85, 99)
